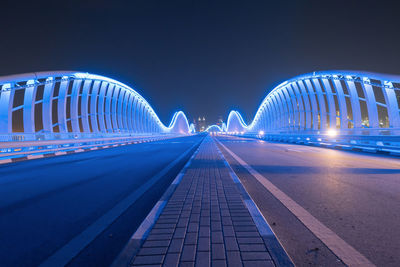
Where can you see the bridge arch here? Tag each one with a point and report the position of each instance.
(348, 102)
(66, 104)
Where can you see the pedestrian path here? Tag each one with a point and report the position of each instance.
(206, 222)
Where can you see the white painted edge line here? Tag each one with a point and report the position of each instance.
(3, 161)
(145, 227)
(58, 153)
(66, 253)
(349, 255)
(35, 156)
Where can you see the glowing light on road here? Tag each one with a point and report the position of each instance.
(261, 133)
(331, 132)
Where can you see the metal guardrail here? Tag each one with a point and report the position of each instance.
(26, 149)
(365, 143)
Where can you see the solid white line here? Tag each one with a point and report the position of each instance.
(3, 161)
(35, 156)
(349, 255)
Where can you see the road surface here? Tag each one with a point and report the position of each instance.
(52, 206)
(355, 195)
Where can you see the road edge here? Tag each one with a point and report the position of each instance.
(132, 247)
(277, 251)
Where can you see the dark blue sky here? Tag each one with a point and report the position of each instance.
(204, 57)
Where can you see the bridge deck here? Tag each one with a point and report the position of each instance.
(206, 221)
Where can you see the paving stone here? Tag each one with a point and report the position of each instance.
(203, 244)
(171, 260)
(255, 256)
(155, 243)
(203, 258)
(163, 231)
(191, 238)
(186, 264)
(216, 226)
(159, 237)
(183, 222)
(218, 263)
(153, 251)
(250, 240)
(205, 221)
(188, 253)
(231, 244)
(248, 234)
(243, 223)
(193, 227)
(228, 230)
(259, 263)
(252, 247)
(218, 251)
(163, 225)
(217, 237)
(234, 259)
(204, 231)
(226, 220)
(153, 259)
(180, 232)
(245, 228)
(176, 245)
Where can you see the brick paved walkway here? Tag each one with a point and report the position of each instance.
(205, 222)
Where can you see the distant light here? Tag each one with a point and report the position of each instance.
(331, 132)
(261, 132)
(241, 132)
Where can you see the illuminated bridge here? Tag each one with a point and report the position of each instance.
(90, 176)
(337, 108)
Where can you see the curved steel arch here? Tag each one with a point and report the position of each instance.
(66, 104)
(351, 103)
(214, 128)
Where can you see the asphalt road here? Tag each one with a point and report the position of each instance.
(45, 203)
(355, 195)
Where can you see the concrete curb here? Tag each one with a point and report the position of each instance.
(278, 253)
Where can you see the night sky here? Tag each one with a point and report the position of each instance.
(204, 57)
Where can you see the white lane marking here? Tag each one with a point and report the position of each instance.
(3, 161)
(349, 255)
(60, 153)
(34, 156)
(289, 149)
(64, 255)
